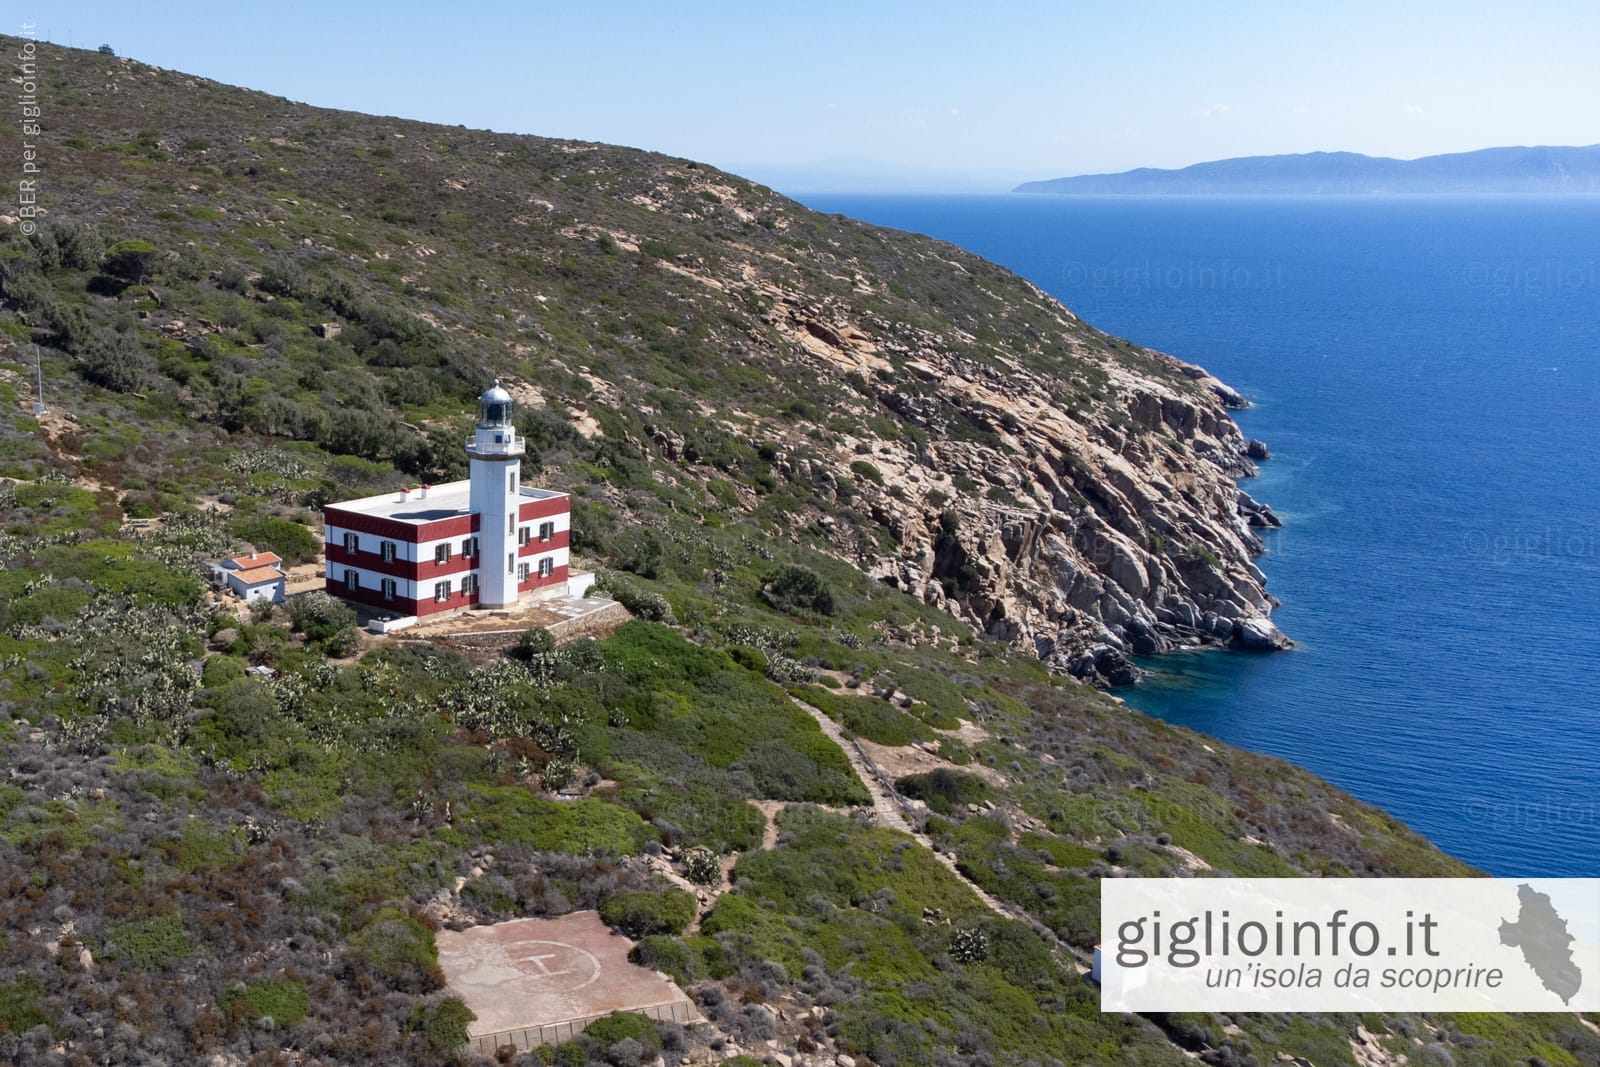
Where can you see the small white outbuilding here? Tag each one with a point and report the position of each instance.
(252, 577)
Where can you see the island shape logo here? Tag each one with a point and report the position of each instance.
(1541, 933)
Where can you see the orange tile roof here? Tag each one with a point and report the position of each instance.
(260, 559)
(257, 575)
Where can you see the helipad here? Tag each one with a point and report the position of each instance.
(539, 981)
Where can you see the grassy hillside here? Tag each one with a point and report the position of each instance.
(681, 340)
(197, 232)
(199, 864)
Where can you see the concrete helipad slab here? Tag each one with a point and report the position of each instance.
(536, 981)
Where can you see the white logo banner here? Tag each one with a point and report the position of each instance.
(1350, 944)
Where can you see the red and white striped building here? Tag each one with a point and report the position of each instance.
(486, 541)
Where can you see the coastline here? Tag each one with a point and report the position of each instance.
(1417, 565)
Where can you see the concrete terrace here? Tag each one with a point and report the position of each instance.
(540, 981)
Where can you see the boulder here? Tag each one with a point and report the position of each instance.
(1260, 635)
(1256, 513)
(1104, 666)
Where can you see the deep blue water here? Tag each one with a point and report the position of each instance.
(1426, 374)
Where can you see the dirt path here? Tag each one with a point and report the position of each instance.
(770, 809)
(888, 811)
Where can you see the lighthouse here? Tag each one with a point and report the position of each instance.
(495, 453)
(484, 541)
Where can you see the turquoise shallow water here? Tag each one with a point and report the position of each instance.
(1427, 373)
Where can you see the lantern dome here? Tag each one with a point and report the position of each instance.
(494, 406)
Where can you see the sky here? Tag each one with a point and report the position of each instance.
(959, 94)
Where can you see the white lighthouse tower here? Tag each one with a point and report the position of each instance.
(496, 474)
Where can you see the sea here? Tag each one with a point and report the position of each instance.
(1426, 372)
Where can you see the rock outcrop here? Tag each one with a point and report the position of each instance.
(1090, 533)
(1058, 489)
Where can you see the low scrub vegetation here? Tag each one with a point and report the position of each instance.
(188, 851)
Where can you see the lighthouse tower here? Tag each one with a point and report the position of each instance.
(496, 471)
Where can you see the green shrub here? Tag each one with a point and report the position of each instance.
(148, 944)
(220, 670)
(944, 699)
(284, 1000)
(115, 361)
(865, 469)
(681, 708)
(343, 642)
(19, 1007)
(570, 1054)
(622, 1026)
(686, 959)
(644, 913)
(513, 815)
(1062, 853)
(319, 616)
(397, 945)
(534, 642)
(651, 607)
(875, 720)
(797, 590)
(131, 259)
(444, 1023)
(706, 816)
(751, 659)
(290, 540)
(944, 790)
(639, 552)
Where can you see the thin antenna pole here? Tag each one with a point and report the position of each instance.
(38, 396)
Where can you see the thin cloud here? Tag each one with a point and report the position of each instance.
(1212, 112)
(1302, 111)
(1413, 109)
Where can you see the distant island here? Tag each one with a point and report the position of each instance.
(1540, 170)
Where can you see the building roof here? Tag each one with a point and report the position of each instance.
(259, 575)
(257, 559)
(418, 507)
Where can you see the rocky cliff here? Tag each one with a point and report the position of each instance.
(1086, 532)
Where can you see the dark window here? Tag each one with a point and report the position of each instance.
(441, 554)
